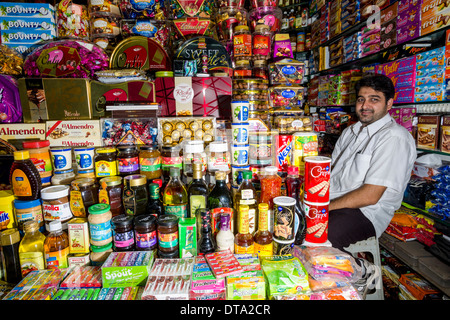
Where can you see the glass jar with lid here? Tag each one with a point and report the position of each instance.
(100, 224)
(260, 69)
(110, 192)
(127, 160)
(261, 42)
(242, 43)
(150, 162)
(64, 177)
(105, 162)
(123, 232)
(242, 69)
(170, 157)
(193, 151)
(135, 194)
(83, 194)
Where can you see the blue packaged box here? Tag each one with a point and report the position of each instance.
(16, 23)
(23, 9)
(437, 54)
(26, 36)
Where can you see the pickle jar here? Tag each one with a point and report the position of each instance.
(150, 162)
(127, 160)
(135, 194)
(105, 162)
(110, 192)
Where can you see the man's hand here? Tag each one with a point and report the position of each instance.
(366, 195)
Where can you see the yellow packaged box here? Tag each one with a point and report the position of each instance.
(74, 133)
(6, 210)
(78, 230)
(428, 131)
(444, 145)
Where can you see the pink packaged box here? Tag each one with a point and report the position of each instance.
(397, 67)
(406, 116)
(395, 114)
(405, 95)
(404, 80)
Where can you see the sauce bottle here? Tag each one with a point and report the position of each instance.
(263, 237)
(10, 241)
(56, 246)
(206, 243)
(270, 189)
(24, 177)
(246, 195)
(243, 242)
(31, 248)
(225, 237)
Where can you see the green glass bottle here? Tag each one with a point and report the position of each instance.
(220, 200)
(175, 198)
(197, 190)
(155, 206)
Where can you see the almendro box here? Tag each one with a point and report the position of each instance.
(74, 133)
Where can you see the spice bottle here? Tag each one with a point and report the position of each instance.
(24, 177)
(56, 246)
(10, 241)
(31, 248)
(225, 237)
(123, 232)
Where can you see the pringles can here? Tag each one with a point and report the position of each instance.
(317, 179)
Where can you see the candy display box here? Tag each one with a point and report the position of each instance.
(127, 269)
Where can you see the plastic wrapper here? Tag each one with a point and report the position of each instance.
(11, 62)
(270, 16)
(192, 8)
(285, 275)
(104, 8)
(10, 105)
(158, 30)
(72, 20)
(83, 277)
(65, 59)
(129, 131)
(328, 263)
(132, 9)
(227, 19)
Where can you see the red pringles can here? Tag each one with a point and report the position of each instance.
(283, 151)
(317, 179)
(316, 216)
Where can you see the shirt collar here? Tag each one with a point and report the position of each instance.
(373, 127)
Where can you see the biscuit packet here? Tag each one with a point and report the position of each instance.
(282, 47)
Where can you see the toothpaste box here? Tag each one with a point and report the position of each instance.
(29, 10)
(25, 24)
(27, 36)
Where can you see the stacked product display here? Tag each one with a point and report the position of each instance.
(167, 150)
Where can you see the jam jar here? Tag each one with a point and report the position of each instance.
(110, 192)
(135, 194)
(167, 234)
(150, 162)
(127, 160)
(105, 162)
(145, 232)
(123, 232)
(83, 194)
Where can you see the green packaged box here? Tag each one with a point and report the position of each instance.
(127, 269)
(187, 230)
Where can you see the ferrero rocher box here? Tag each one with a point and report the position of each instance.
(56, 99)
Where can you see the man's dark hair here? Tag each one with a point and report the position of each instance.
(378, 82)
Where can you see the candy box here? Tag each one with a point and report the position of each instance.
(171, 130)
(405, 80)
(404, 95)
(26, 36)
(73, 133)
(286, 72)
(27, 24)
(127, 269)
(411, 16)
(444, 145)
(395, 114)
(10, 105)
(16, 133)
(144, 9)
(29, 10)
(406, 116)
(187, 230)
(129, 131)
(428, 131)
(191, 8)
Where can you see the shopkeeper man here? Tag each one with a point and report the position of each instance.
(370, 168)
